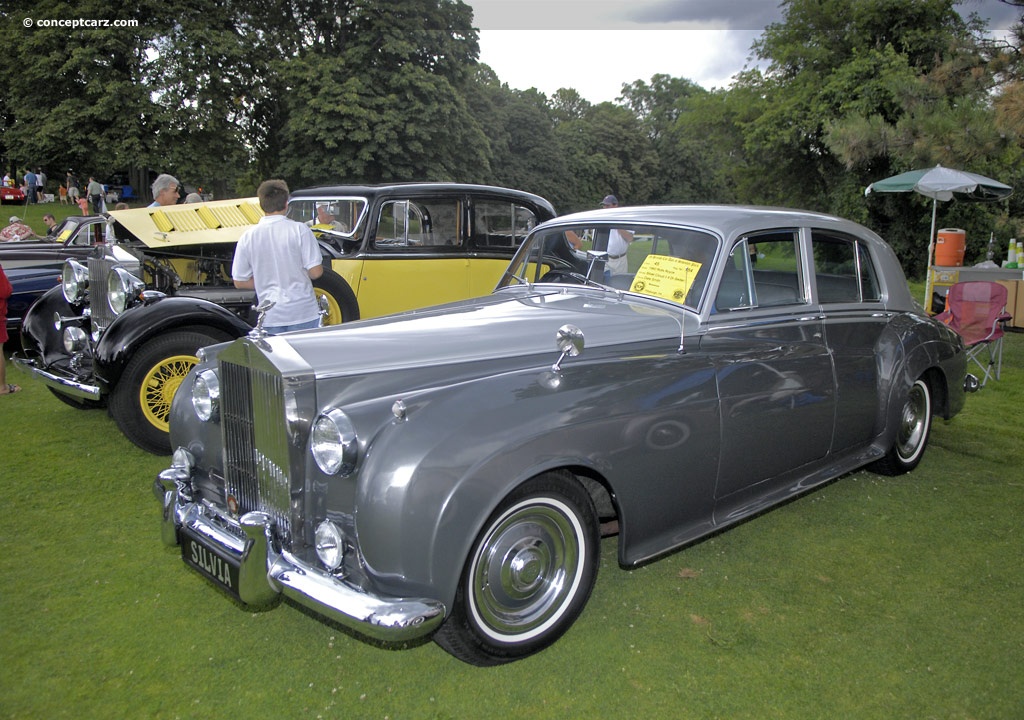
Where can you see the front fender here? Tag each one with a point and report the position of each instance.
(139, 324)
(39, 338)
(430, 481)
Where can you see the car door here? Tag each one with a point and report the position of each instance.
(774, 373)
(417, 256)
(855, 320)
(497, 227)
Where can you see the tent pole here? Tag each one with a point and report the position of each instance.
(928, 268)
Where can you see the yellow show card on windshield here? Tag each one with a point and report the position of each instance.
(666, 277)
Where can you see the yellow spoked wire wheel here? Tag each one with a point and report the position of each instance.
(160, 384)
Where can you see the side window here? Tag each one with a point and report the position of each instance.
(843, 270)
(413, 224)
(870, 288)
(762, 270)
(498, 224)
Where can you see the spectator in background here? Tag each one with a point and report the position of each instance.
(165, 190)
(94, 191)
(5, 292)
(193, 198)
(51, 226)
(30, 187)
(72, 184)
(16, 231)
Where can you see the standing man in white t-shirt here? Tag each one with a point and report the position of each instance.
(618, 243)
(280, 258)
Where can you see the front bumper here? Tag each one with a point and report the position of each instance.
(263, 573)
(66, 384)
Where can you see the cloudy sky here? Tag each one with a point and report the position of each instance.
(595, 46)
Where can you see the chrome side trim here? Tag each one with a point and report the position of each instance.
(65, 385)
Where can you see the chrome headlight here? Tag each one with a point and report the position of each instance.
(330, 545)
(75, 340)
(122, 289)
(74, 281)
(333, 443)
(206, 395)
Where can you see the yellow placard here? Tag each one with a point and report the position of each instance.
(666, 277)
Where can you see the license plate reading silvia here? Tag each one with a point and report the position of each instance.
(215, 565)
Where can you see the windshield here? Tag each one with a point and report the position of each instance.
(339, 215)
(662, 262)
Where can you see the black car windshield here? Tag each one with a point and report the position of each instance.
(669, 263)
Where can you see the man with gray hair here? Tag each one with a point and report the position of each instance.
(165, 190)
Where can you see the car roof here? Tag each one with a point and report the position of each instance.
(727, 220)
(419, 188)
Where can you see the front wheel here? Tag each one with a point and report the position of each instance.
(915, 424)
(528, 576)
(342, 305)
(141, 401)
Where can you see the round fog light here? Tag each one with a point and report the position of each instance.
(75, 339)
(330, 545)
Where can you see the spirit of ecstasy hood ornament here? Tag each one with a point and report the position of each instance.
(258, 332)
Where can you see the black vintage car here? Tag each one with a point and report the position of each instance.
(123, 331)
(34, 267)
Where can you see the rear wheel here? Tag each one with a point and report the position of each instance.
(528, 576)
(912, 433)
(141, 401)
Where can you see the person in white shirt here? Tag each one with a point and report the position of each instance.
(280, 258)
(618, 243)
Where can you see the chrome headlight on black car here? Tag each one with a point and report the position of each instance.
(206, 395)
(333, 443)
(74, 281)
(123, 289)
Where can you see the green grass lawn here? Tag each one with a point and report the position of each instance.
(873, 597)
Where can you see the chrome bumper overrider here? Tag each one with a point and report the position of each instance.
(264, 574)
(66, 385)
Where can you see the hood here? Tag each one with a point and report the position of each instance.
(507, 324)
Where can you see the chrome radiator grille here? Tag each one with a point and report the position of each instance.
(256, 442)
(102, 315)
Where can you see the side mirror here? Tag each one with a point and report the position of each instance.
(569, 341)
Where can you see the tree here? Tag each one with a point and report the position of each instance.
(522, 147)
(856, 91)
(377, 93)
(78, 97)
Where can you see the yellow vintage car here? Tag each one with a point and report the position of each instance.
(125, 326)
(405, 246)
